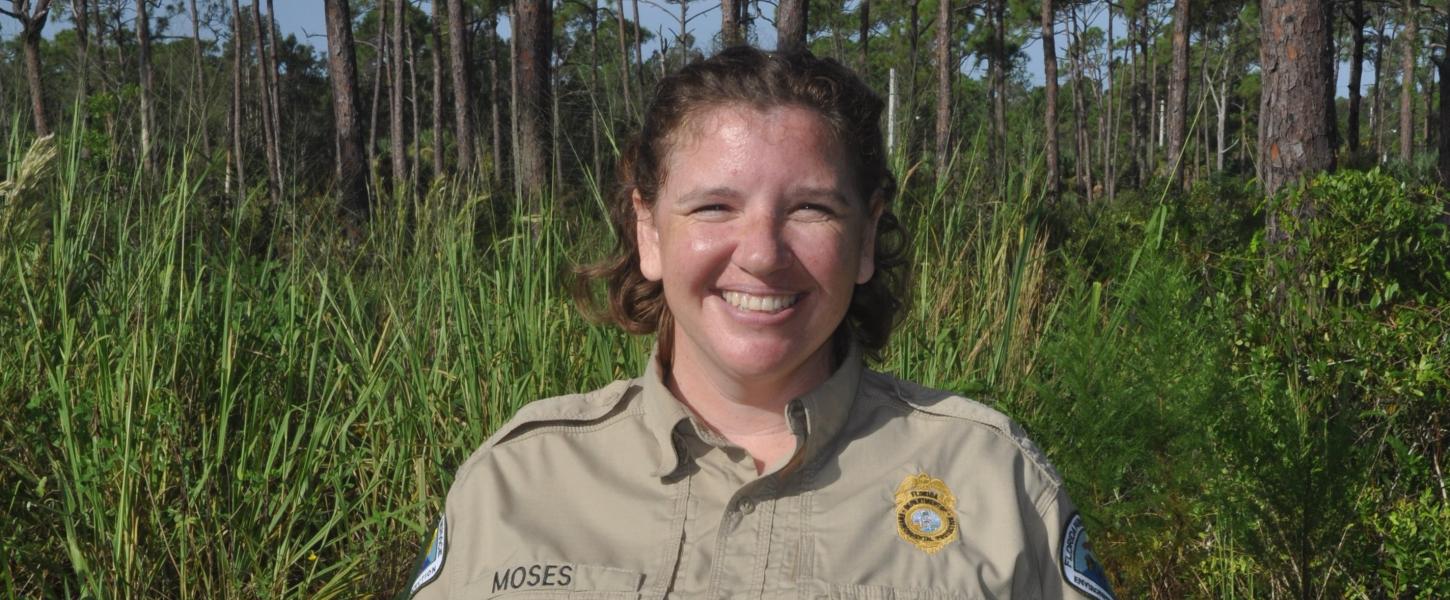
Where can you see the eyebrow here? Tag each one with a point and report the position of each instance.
(821, 193)
(705, 195)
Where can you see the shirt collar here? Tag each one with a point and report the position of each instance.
(815, 417)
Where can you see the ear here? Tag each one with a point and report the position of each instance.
(866, 268)
(647, 237)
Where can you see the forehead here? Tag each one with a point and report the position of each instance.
(725, 127)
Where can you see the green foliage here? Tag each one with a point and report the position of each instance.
(1416, 535)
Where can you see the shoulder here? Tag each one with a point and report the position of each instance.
(557, 415)
(984, 434)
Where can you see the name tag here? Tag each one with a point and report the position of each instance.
(533, 576)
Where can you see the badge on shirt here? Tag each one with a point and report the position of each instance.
(1079, 567)
(926, 513)
(432, 562)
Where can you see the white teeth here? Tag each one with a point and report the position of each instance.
(756, 303)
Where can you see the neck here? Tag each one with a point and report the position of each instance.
(748, 412)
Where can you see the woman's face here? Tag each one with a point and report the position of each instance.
(759, 237)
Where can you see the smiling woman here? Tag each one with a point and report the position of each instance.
(757, 457)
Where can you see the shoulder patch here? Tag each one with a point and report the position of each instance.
(1080, 568)
(432, 563)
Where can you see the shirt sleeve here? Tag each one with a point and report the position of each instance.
(1071, 570)
(430, 578)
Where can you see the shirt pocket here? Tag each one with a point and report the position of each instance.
(833, 591)
(554, 581)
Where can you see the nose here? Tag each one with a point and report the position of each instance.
(761, 248)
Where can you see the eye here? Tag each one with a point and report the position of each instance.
(815, 210)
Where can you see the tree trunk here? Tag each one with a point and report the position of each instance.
(459, 69)
(1107, 115)
(31, 24)
(199, 94)
(397, 134)
(1082, 163)
(143, 59)
(1409, 38)
(1049, 75)
(1356, 70)
(730, 22)
(1443, 66)
(1178, 93)
(495, 93)
(274, 88)
(1154, 134)
(342, 70)
(790, 25)
(865, 37)
(269, 132)
(943, 89)
(436, 60)
(411, 52)
(1376, 107)
(999, 80)
(595, 88)
(82, 13)
(534, 39)
(236, 107)
(624, 67)
(909, 128)
(1295, 51)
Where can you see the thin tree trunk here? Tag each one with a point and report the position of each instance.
(143, 59)
(1049, 74)
(397, 134)
(199, 95)
(1154, 133)
(1443, 66)
(790, 24)
(1107, 113)
(624, 67)
(495, 92)
(1082, 163)
(82, 11)
(1409, 38)
(1178, 93)
(411, 52)
(909, 129)
(864, 37)
(943, 89)
(460, 68)
(347, 117)
(1376, 107)
(436, 54)
(535, 36)
(236, 106)
(595, 86)
(1356, 70)
(999, 80)
(274, 87)
(269, 133)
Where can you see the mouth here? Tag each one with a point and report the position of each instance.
(760, 303)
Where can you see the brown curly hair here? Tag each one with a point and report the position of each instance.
(747, 76)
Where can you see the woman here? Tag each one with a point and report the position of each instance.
(756, 457)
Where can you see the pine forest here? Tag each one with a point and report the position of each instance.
(264, 288)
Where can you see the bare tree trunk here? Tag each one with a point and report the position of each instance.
(624, 68)
(1082, 164)
(999, 79)
(380, 77)
(730, 22)
(943, 89)
(1108, 113)
(459, 68)
(1154, 133)
(1356, 63)
(1294, 138)
(865, 37)
(82, 13)
(535, 36)
(199, 95)
(143, 58)
(1376, 107)
(264, 90)
(495, 92)
(436, 56)
(274, 87)
(790, 25)
(397, 134)
(1178, 93)
(1049, 75)
(347, 117)
(411, 52)
(909, 129)
(236, 107)
(1409, 40)
(32, 22)
(1443, 66)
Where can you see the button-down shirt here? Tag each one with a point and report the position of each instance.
(893, 491)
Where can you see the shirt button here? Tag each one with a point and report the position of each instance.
(747, 506)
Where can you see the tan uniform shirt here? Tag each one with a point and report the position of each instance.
(894, 491)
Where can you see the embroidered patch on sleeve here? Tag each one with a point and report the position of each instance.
(432, 563)
(1079, 567)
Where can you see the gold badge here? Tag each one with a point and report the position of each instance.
(926, 513)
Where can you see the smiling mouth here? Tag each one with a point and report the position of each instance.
(760, 303)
